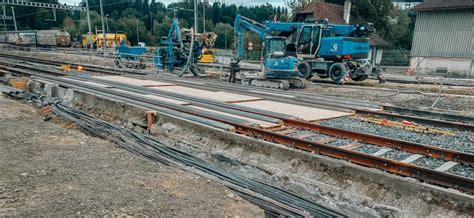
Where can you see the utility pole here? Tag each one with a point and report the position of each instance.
(89, 24)
(195, 17)
(14, 19)
(107, 22)
(4, 16)
(104, 46)
(138, 34)
(203, 16)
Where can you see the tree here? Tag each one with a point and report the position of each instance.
(296, 6)
(400, 30)
(225, 35)
(70, 26)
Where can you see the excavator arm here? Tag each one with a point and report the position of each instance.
(243, 24)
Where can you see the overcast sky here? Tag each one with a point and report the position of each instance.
(238, 2)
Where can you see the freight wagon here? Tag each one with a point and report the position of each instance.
(53, 38)
(40, 38)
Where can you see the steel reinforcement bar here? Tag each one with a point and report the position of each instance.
(424, 174)
(396, 167)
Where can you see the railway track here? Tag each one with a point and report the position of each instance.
(316, 139)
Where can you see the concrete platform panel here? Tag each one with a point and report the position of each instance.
(216, 96)
(133, 81)
(303, 112)
(154, 97)
(261, 123)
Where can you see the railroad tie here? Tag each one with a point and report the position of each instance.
(446, 166)
(351, 146)
(412, 158)
(382, 151)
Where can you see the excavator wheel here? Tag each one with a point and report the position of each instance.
(304, 70)
(284, 84)
(299, 83)
(336, 72)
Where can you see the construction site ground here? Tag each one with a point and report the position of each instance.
(458, 98)
(50, 168)
(103, 179)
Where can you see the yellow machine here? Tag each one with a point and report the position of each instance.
(111, 40)
(207, 56)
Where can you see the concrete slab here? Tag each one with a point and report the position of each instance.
(261, 124)
(446, 166)
(303, 112)
(382, 151)
(133, 81)
(154, 97)
(412, 158)
(216, 96)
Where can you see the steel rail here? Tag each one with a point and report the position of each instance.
(405, 169)
(84, 66)
(412, 147)
(360, 110)
(396, 167)
(446, 154)
(434, 122)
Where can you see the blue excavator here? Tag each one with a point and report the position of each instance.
(334, 51)
(280, 65)
(182, 48)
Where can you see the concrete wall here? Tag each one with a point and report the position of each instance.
(456, 67)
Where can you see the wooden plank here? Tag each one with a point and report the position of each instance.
(204, 94)
(302, 112)
(154, 97)
(260, 123)
(134, 81)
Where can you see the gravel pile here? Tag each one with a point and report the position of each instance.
(429, 162)
(463, 170)
(396, 155)
(460, 142)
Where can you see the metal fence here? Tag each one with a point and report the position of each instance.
(395, 57)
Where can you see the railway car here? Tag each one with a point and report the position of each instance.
(12, 38)
(3, 37)
(26, 39)
(53, 38)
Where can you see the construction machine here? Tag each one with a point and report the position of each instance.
(130, 57)
(334, 51)
(182, 49)
(279, 65)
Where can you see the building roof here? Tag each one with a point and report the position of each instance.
(320, 10)
(435, 5)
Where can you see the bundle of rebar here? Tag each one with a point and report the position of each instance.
(270, 198)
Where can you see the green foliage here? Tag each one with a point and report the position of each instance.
(394, 25)
(225, 35)
(154, 18)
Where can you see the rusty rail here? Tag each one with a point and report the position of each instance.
(396, 167)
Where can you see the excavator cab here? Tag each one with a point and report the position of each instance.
(309, 41)
(277, 62)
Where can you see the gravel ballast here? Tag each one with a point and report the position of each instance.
(460, 142)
